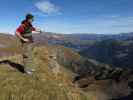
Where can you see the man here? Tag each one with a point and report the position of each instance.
(24, 33)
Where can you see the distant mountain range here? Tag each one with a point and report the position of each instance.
(120, 36)
(79, 42)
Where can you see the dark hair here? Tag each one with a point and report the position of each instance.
(29, 16)
(26, 23)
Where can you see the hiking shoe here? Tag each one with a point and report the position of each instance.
(29, 72)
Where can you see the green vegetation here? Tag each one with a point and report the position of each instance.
(116, 53)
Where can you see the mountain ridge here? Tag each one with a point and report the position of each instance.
(61, 66)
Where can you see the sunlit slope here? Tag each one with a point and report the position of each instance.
(49, 82)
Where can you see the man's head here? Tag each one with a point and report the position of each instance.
(30, 18)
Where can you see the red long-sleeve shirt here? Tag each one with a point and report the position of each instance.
(21, 28)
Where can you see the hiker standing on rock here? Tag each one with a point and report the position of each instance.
(24, 34)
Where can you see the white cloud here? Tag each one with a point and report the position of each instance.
(47, 7)
(40, 14)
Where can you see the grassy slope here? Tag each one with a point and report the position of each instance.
(43, 85)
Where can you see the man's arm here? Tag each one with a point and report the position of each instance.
(48, 36)
(36, 30)
(18, 33)
(21, 37)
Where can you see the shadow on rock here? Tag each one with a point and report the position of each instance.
(13, 65)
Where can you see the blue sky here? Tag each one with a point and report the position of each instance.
(69, 16)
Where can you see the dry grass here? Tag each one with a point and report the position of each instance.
(42, 85)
